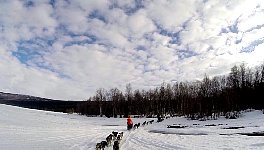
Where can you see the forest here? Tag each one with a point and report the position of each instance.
(208, 98)
(225, 95)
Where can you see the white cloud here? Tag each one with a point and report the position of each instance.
(170, 14)
(139, 24)
(86, 64)
(67, 50)
(19, 78)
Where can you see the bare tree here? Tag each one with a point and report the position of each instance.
(100, 97)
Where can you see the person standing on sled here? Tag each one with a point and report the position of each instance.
(129, 123)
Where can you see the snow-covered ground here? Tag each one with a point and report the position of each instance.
(25, 129)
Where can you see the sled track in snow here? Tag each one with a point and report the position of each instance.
(141, 139)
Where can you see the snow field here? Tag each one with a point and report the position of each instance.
(26, 129)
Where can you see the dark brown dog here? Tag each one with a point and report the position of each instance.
(144, 123)
(115, 133)
(98, 146)
(116, 145)
(103, 144)
(109, 139)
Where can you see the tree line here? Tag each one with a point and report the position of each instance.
(241, 89)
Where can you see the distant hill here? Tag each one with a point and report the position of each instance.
(14, 97)
(33, 102)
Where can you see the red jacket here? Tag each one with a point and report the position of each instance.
(129, 121)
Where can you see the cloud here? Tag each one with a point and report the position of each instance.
(68, 49)
(139, 24)
(170, 15)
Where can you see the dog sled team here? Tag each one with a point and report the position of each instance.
(117, 137)
(135, 126)
(114, 137)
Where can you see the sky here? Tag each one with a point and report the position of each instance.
(66, 49)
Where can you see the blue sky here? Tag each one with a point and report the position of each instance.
(68, 49)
